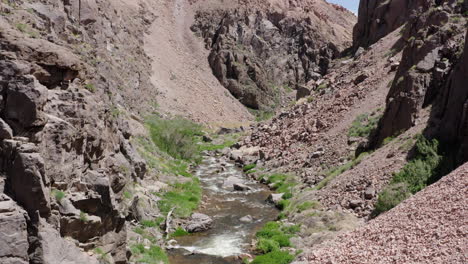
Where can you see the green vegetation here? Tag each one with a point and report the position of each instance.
(59, 195)
(179, 232)
(261, 115)
(391, 53)
(423, 169)
(83, 216)
(322, 86)
(307, 205)
(21, 27)
(206, 146)
(282, 183)
(391, 197)
(184, 197)
(176, 167)
(331, 174)
(176, 137)
(271, 238)
(249, 167)
(363, 125)
(153, 255)
(90, 87)
(152, 223)
(127, 195)
(274, 257)
(101, 255)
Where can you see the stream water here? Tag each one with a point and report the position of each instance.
(229, 237)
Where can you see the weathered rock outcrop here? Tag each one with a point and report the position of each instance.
(434, 45)
(377, 18)
(450, 114)
(259, 55)
(65, 150)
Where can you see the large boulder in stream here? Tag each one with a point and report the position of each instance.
(231, 181)
(198, 223)
(275, 198)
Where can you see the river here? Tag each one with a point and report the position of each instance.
(229, 237)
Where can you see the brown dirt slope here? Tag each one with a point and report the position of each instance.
(430, 227)
(180, 70)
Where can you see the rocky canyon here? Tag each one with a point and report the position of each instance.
(233, 131)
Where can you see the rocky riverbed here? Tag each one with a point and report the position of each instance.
(238, 208)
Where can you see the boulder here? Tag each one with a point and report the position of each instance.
(369, 193)
(275, 198)
(302, 92)
(241, 187)
(360, 78)
(56, 250)
(231, 181)
(353, 204)
(28, 181)
(13, 232)
(25, 101)
(198, 223)
(246, 219)
(5, 130)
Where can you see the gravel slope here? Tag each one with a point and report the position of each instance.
(430, 227)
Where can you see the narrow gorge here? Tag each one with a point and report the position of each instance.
(233, 131)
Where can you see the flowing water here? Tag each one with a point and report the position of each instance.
(229, 237)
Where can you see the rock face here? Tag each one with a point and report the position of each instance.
(450, 116)
(259, 54)
(59, 131)
(377, 18)
(14, 237)
(434, 46)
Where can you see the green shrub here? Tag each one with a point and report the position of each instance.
(363, 125)
(266, 245)
(249, 167)
(153, 255)
(127, 195)
(59, 195)
(391, 197)
(176, 137)
(83, 216)
(278, 233)
(274, 257)
(282, 183)
(184, 197)
(419, 172)
(271, 238)
(179, 232)
(90, 87)
(322, 86)
(283, 204)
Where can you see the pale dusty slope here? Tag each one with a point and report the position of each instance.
(181, 73)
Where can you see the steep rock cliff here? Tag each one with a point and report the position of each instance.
(260, 52)
(434, 44)
(65, 154)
